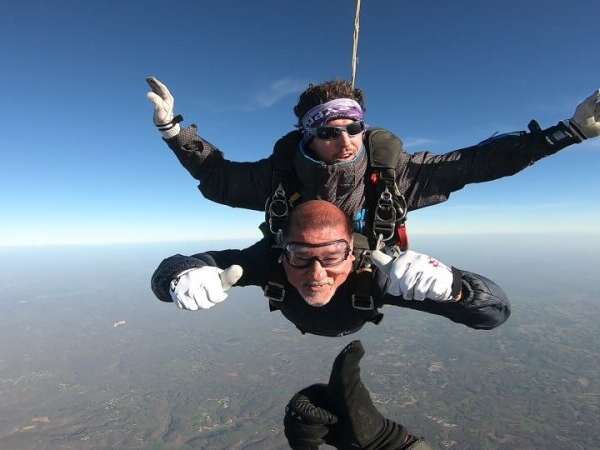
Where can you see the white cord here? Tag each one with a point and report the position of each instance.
(355, 45)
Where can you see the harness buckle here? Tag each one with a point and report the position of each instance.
(274, 291)
(384, 222)
(362, 302)
(278, 209)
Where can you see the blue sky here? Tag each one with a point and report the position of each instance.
(82, 163)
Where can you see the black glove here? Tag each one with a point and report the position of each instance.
(307, 421)
(359, 423)
(342, 414)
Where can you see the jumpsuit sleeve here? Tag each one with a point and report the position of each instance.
(252, 259)
(237, 184)
(427, 179)
(483, 304)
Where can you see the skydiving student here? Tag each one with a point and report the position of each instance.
(342, 414)
(333, 155)
(318, 284)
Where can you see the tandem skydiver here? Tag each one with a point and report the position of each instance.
(342, 414)
(321, 286)
(335, 156)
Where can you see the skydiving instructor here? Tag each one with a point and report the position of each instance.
(334, 156)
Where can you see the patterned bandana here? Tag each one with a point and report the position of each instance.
(339, 108)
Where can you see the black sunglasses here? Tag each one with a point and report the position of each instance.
(330, 133)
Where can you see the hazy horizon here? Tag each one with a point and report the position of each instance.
(89, 359)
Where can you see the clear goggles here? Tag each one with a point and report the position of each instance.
(330, 133)
(329, 254)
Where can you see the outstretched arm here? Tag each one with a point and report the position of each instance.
(416, 281)
(427, 179)
(483, 304)
(252, 260)
(237, 184)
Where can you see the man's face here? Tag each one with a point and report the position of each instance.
(342, 148)
(315, 283)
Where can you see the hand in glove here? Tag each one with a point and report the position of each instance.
(415, 276)
(586, 120)
(307, 422)
(342, 414)
(164, 104)
(203, 287)
(360, 425)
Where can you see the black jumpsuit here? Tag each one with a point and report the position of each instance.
(423, 178)
(483, 304)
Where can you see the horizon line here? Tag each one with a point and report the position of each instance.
(578, 233)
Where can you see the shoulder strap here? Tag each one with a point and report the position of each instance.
(387, 206)
(283, 184)
(385, 149)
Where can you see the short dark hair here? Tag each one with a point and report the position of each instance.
(322, 93)
(317, 214)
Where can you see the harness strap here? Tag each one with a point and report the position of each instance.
(280, 201)
(388, 220)
(277, 212)
(362, 297)
(274, 289)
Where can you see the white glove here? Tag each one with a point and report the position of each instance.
(164, 105)
(415, 276)
(203, 287)
(587, 116)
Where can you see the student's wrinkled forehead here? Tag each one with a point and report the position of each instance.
(317, 235)
(317, 221)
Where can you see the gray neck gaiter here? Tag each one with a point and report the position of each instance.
(340, 183)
